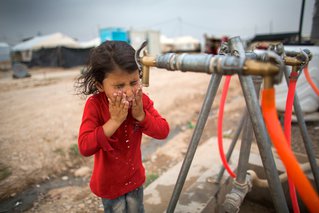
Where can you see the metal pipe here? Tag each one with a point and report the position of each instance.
(242, 183)
(205, 63)
(305, 136)
(237, 195)
(244, 152)
(261, 136)
(263, 144)
(146, 76)
(247, 140)
(301, 21)
(237, 49)
(206, 107)
(185, 62)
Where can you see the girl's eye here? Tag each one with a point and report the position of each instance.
(134, 83)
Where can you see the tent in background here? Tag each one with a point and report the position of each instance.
(55, 50)
(180, 44)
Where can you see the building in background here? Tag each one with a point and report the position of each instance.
(113, 34)
(137, 37)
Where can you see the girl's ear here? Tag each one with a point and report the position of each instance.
(99, 87)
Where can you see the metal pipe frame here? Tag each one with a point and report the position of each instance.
(260, 131)
(263, 144)
(205, 63)
(236, 48)
(206, 107)
(297, 59)
(227, 65)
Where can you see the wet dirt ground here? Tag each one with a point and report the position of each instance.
(40, 167)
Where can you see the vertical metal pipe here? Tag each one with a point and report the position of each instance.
(209, 99)
(246, 140)
(237, 48)
(301, 21)
(245, 146)
(305, 136)
(263, 144)
(260, 133)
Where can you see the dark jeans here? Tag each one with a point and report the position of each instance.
(131, 202)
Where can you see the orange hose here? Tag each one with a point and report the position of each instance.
(303, 186)
(312, 84)
(220, 127)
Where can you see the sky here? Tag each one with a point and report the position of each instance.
(82, 19)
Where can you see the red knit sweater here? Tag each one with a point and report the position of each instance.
(118, 167)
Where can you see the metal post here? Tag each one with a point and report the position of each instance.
(301, 21)
(305, 136)
(260, 133)
(246, 141)
(244, 152)
(263, 144)
(209, 99)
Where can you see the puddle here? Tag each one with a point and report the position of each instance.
(149, 147)
(24, 201)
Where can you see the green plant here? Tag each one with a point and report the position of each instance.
(150, 178)
(74, 150)
(4, 171)
(59, 151)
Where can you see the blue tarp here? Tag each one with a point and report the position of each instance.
(113, 34)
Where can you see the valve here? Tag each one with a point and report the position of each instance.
(144, 63)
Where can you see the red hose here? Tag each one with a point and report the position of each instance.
(312, 84)
(287, 128)
(220, 127)
(303, 186)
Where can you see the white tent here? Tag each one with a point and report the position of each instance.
(53, 50)
(187, 43)
(180, 44)
(91, 43)
(47, 41)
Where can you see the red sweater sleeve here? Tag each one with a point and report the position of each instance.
(91, 136)
(154, 125)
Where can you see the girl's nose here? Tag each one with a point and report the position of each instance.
(129, 93)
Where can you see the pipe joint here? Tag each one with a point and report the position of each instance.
(227, 65)
(236, 196)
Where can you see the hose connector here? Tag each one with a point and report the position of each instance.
(237, 195)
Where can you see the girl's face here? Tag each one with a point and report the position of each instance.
(119, 80)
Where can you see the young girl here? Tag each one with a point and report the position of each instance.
(113, 121)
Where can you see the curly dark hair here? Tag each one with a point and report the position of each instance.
(104, 59)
